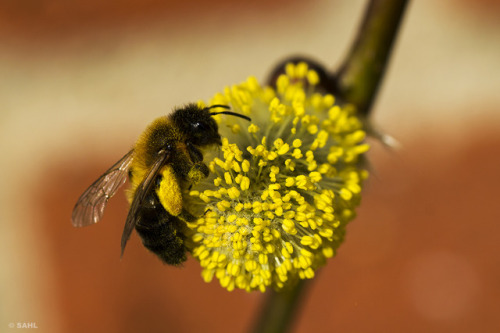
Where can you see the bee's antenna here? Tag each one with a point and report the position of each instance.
(227, 107)
(231, 114)
(226, 112)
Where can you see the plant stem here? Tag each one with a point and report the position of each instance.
(279, 310)
(362, 71)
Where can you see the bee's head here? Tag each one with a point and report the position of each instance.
(198, 125)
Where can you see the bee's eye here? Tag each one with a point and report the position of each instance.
(199, 127)
(202, 132)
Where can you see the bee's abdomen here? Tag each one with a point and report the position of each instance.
(160, 233)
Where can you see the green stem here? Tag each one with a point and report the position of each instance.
(279, 310)
(363, 69)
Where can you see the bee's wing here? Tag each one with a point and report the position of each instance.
(140, 195)
(90, 206)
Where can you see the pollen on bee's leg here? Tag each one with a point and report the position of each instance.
(198, 172)
(169, 192)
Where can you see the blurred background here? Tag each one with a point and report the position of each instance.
(80, 80)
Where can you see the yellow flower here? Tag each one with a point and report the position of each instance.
(283, 187)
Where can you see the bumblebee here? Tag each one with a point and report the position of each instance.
(166, 159)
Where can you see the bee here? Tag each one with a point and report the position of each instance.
(166, 159)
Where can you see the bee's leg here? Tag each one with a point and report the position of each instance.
(187, 216)
(198, 172)
(195, 154)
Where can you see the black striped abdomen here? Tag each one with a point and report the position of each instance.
(161, 232)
